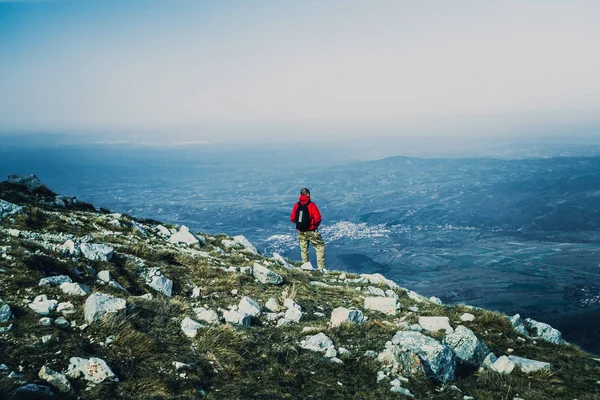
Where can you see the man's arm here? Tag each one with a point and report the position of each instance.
(315, 214)
(293, 216)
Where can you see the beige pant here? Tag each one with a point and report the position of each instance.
(315, 238)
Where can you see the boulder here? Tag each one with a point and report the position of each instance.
(342, 315)
(184, 236)
(74, 289)
(97, 305)
(543, 331)
(319, 342)
(206, 315)
(307, 266)
(62, 322)
(391, 293)
(377, 279)
(412, 353)
(5, 311)
(467, 317)
(104, 276)
(96, 252)
(503, 365)
(234, 317)
(65, 308)
(293, 315)
(466, 346)
(272, 305)
(33, 391)
(527, 366)
(54, 280)
(386, 305)
(190, 327)
(161, 284)
(46, 321)
(434, 324)
(488, 361)
(249, 306)
(163, 230)
(70, 247)
(242, 241)
(42, 305)
(93, 370)
(435, 300)
(518, 324)
(31, 181)
(416, 297)
(277, 257)
(374, 291)
(289, 303)
(58, 380)
(265, 275)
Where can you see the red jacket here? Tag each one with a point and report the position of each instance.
(313, 211)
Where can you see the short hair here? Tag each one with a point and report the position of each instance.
(305, 192)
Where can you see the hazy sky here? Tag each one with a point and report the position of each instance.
(266, 69)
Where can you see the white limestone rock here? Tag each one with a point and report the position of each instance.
(65, 308)
(307, 266)
(265, 275)
(488, 361)
(376, 279)
(161, 284)
(97, 305)
(56, 379)
(190, 327)
(32, 391)
(319, 342)
(5, 311)
(46, 321)
(467, 347)
(342, 315)
(235, 317)
(467, 317)
(54, 280)
(104, 276)
(416, 297)
(163, 231)
(7, 209)
(70, 248)
(374, 291)
(42, 305)
(277, 257)
(386, 305)
(62, 322)
(242, 241)
(540, 330)
(272, 305)
(249, 306)
(435, 300)
(185, 237)
(96, 252)
(207, 315)
(412, 353)
(293, 315)
(518, 324)
(93, 370)
(289, 303)
(503, 365)
(74, 289)
(391, 293)
(528, 366)
(434, 324)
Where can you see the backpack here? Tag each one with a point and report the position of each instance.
(302, 217)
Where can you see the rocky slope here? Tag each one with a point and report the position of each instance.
(97, 305)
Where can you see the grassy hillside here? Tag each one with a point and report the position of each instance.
(223, 361)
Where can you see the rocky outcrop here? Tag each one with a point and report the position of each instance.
(412, 353)
(96, 252)
(265, 275)
(518, 324)
(544, 331)
(190, 327)
(240, 241)
(7, 209)
(466, 346)
(30, 181)
(342, 315)
(185, 237)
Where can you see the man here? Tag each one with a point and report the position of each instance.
(307, 217)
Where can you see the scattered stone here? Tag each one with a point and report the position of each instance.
(265, 275)
(179, 366)
(163, 230)
(277, 257)
(237, 318)
(246, 270)
(319, 283)
(488, 361)
(319, 342)
(434, 324)
(65, 308)
(378, 279)
(341, 315)
(5, 312)
(503, 365)
(527, 366)
(272, 305)
(74, 289)
(104, 276)
(518, 324)
(242, 241)
(386, 305)
(54, 280)
(234, 292)
(46, 321)
(374, 291)
(98, 305)
(400, 390)
(184, 236)
(33, 391)
(190, 327)
(414, 309)
(93, 370)
(42, 305)
(412, 353)
(62, 322)
(416, 297)
(466, 346)
(391, 293)
(249, 306)
(58, 380)
(467, 317)
(70, 247)
(293, 315)
(342, 351)
(336, 360)
(46, 338)
(307, 266)
(6, 329)
(206, 315)
(540, 330)
(196, 292)
(96, 252)
(371, 353)
(161, 284)
(435, 300)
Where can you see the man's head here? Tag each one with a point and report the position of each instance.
(305, 192)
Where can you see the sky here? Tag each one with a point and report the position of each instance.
(311, 69)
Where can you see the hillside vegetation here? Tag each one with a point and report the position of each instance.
(100, 305)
